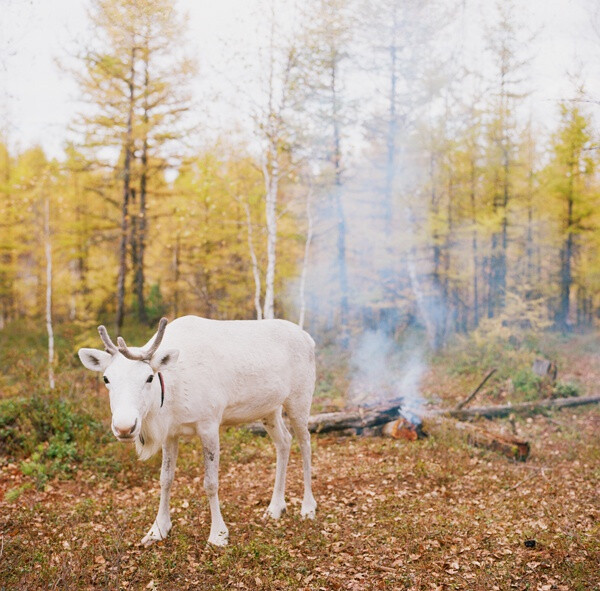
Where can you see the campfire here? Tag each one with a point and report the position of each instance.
(403, 428)
(392, 416)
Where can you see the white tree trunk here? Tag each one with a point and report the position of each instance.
(271, 184)
(48, 248)
(309, 234)
(255, 270)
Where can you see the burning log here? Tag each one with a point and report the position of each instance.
(369, 421)
(404, 429)
(357, 421)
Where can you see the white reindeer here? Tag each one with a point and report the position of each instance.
(210, 373)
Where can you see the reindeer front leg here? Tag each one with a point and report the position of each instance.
(219, 533)
(162, 524)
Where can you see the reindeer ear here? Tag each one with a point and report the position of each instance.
(94, 359)
(164, 359)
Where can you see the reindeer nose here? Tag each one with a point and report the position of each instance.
(124, 430)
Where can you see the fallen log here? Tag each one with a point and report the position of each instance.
(492, 412)
(356, 421)
(384, 419)
(511, 447)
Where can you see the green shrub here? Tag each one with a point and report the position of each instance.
(44, 433)
(527, 383)
(27, 422)
(566, 389)
(12, 437)
(12, 494)
(50, 459)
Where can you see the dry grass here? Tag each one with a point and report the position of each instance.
(433, 514)
(426, 515)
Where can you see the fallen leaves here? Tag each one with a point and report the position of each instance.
(390, 516)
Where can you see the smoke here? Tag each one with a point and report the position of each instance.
(383, 370)
(393, 312)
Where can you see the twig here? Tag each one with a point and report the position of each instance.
(532, 475)
(474, 393)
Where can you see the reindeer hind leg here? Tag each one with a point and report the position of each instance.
(282, 439)
(298, 413)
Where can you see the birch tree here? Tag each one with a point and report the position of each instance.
(48, 254)
(275, 131)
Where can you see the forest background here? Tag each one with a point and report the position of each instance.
(388, 172)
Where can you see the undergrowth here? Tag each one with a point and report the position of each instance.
(468, 357)
(48, 436)
(50, 433)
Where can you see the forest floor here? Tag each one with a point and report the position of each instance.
(431, 514)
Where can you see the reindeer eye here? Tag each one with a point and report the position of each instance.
(105, 379)
(150, 378)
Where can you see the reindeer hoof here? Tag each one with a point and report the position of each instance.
(275, 511)
(156, 534)
(219, 539)
(308, 512)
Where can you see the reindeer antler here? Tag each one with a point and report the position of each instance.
(144, 355)
(108, 344)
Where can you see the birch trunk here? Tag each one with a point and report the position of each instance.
(255, 271)
(309, 234)
(48, 249)
(176, 264)
(272, 184)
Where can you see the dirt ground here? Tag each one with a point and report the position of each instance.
(426, 515)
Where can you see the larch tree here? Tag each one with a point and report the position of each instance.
(30, 171)
(506, 43)
(134, 86)
(472, 152)
(326, 49)
(397, 47)
(570, 175)
(208, 268)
